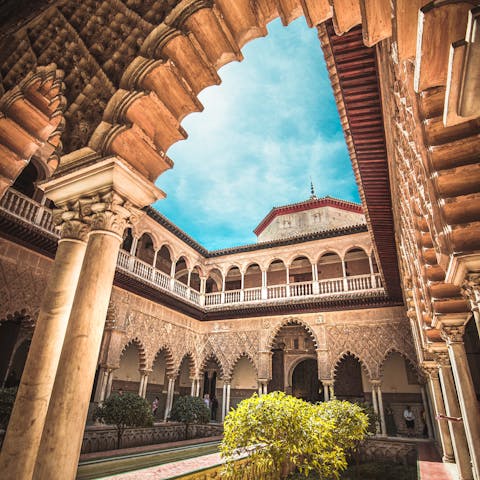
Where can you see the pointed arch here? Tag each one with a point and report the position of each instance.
(394, 350)
(212, 356)
(286, 322)
(169, 359)
(237, 358)
(192, 368)
(343, 356)
(142, 356)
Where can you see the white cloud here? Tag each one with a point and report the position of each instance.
(264, 131)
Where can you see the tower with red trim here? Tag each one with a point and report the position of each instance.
(310, 216)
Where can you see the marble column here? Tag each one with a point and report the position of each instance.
(431, 371)
(71, 392)
(375, 404)
(224, 398)
(457, 430)
(227, 402)
(22, 440)
(469, 407)
(426, 409)
(143, 383)
(327, 389)
(169, 401)
(383, 427)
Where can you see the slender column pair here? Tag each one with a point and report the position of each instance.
(327, 389)
(377, 401)
(142, 389)
(262, 387)
(226, 400)
(431, 370)
(46, 430)
(170, 393)
(104, 387)
(469, 407)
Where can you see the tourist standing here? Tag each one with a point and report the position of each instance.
(214, 405)
(409, 421)
(155, 405)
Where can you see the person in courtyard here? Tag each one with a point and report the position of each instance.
(390, 421)
(409, 421)
(214, 407)
(206, 399)
(155, 405)
(424, 423)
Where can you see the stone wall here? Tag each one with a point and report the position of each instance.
(102, 438)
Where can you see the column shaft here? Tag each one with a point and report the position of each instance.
(22, 440)
(426, 409)
(227, 403)
(468, 401)
(224, 401)
(326, 396)
(443, 429)
(63, 433)
(383, 427)
(457, 430)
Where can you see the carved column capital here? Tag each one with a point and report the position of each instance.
(430, 370)
(452, 333)
(71, 223)
(470, 289)
(442, 359)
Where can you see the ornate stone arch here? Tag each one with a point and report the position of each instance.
(350, 353)
(290, 321)
(169, 360)
(142, 356)
(236, 359)
(191, 365)
(213, 356)
(405, 356)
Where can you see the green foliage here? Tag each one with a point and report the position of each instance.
(126, 410)
(190, 410)
(283, 433)
(373, 418)
(370, 471)
(7, 399)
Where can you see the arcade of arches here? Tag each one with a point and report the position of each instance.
(386, 310)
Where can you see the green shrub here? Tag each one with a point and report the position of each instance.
(125, 410)
(190, 410)
(7, 399)
(290, 434)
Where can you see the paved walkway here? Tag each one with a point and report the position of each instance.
(430, 464)
(170, 470)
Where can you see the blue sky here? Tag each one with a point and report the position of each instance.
(270, 126)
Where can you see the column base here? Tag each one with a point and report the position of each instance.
(448, 459)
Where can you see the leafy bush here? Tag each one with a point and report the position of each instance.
(7, 399)
(283, 433)
(125, 410)
(190, 410)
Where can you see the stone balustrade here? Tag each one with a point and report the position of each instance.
(27, 210)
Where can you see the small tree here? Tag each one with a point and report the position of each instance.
(7, 399)
(190, 410)
(125, 410)
(281, 432)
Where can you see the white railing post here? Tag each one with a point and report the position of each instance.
(345, 282)
(372, 273)
(264, 295)
(315, 286)
(222, 296)
(203, 283)
(242, 287)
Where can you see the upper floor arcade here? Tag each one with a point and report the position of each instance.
(331, 266)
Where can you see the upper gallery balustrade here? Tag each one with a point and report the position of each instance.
(331, 277)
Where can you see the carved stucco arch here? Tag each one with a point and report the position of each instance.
(405, 356)
(192, 366)
(289, 321)
(169, 360)
(142, 355)
(236, 359)
(214, 357)
(350, 353)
